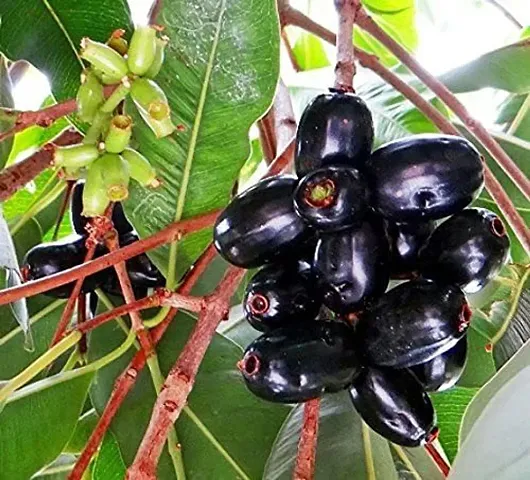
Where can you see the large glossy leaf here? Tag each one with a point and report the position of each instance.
(50, 37)
(220, 75)
(6, 101)
(498, 445)
(229, 422)
(503, 69)
(347, 449)
(37, 422)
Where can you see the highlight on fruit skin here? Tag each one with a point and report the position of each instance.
(140, 169)
(89, 96)
(104, 58)
(75, 156)
(119, 134)
(142, 49)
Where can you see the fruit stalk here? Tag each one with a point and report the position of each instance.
(13, 178)
(474, 126)
(345, 66)
(291, 16)
(126, 381)
(437, 458)
(181, 378)
(171, 233)
(307, 446)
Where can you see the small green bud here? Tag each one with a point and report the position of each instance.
(155, 67)
(119, 44)
(89, 97)
(111, 63)
(95, 199)
(152, 104)
(99, 126)
(142, 50)
(140, 168)
(119, 134)
(75, 156)
(115, 176)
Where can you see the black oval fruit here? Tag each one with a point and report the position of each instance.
(406, 241)
(352, 266)
(443, 371)
(331, 198)
(297, 363)
(394, 404)
(424, 177)
(260, 224)
(335, 129)
(49, 258)
(468, 250)
(79, 222)
(279, 295)
(412, 323)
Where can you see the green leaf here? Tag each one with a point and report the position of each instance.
(6, 101)
(217, 86)
(397, 18)
(309, 52)
(450, 407)
(37, 422)
(497, 445)
(503, 69)
(56, 28)
(480, 366)
(347, 449)
(58, 470)
(254, 161)
(220, 402)
(109, 464)
(86, 424)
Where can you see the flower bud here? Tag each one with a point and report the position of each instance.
(119, 134)
(75, 156)
(104, 58)
(95, 199)
(140, 168)
(142, 50)
(158, 61)
(115, 176)
(89, 97)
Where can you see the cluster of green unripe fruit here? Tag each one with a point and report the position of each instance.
(104, 157)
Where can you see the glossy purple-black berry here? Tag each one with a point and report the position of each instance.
(335, 129)
(332, 198)
(277, 296)
(406, 241)
(443, 371)
(468, 250)
(394, 405)
(352, 266)
(260, 224)
(424, 177)
(79, 222)
(49, 258)
(297, 363)
(413, 323)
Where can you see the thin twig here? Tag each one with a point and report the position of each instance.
(307, 446)
(521, 181)
(126, 381)
(172, 232)
(181, 378)
(509, 15)
(345, 66)
(282, 161)
(437, 458)
(290, 52)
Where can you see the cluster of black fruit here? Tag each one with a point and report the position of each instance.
(53, 257)
(332, 239)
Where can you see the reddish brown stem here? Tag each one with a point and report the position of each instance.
(345, 66)
(437, 458)
(64, 205)
(81, 319)
(282, 161)
(267, 137)
(125, 382)
(179, 382)
(171, 233)
(16, 176)
(304, 468)
(474, 126)
(155, 11)
(495, 189)
(126, 288)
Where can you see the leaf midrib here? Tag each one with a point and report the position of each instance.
(57, 20)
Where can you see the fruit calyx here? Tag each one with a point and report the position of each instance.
(464, 319)
(250, 365)
(320, 194)
(497, 227)
(258, 304)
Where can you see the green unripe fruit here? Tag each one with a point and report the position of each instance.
(152, 104)
(75, 156)
(89, 97)
(142, 50)
(119, 134)
(99, 126)
(95, 199)
(140, 168)
(158, 61)
(115, 176)
(111, 63)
